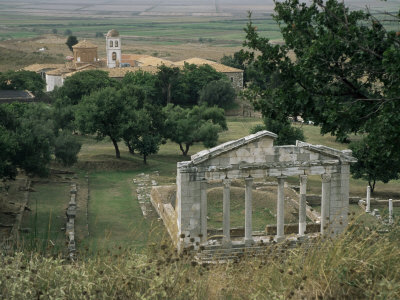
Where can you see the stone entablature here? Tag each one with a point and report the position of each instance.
(252, 157)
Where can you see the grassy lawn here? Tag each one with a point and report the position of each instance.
(115, 217)
(264, 208)
(48, 204)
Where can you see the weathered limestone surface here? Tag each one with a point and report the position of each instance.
(255, 156)
(70, 227)
(165, 210)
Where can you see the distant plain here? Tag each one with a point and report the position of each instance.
(169, 29)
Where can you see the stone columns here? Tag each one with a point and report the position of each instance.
(280, 214)
(325, 202)
(368, 204)
(226, 241)
(248, 229)
(302, 205)
(390, 211)
(203, 210)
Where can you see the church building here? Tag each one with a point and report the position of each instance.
(116, 64)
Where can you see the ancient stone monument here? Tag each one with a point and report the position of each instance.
(249, 158)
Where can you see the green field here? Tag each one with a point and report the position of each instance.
(162, 29)
(46, 218)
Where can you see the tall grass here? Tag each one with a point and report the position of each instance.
(359, 264)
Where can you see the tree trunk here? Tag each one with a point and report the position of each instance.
(184, 151)
(372, 185)
(117, 153)
(145, 159)
(131, 150)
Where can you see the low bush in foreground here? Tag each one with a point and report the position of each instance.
(360, 264)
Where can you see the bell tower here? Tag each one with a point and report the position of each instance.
(113, 49)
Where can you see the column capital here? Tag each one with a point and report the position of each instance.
(326, 177)
(304, 178)
(249, 179)
(204, 183)
(281, 177)
(226, 182)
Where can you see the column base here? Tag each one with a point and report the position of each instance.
(279, 239)
(226, 243)
(302, 228)
(249, 242)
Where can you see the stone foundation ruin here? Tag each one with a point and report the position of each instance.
(184, 212)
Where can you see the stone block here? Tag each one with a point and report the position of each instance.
(274, 172)
(196, 207)
(269, 158)
(266, 142)
(315, 170)
(194, 222)
(303, 156)
(243, 152)
(292, 171)
(257, 173)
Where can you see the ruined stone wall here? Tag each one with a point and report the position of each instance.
(160, 197)
(255, 156)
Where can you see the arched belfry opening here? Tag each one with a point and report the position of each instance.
(113, 49)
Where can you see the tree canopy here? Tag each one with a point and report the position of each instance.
(71, 41)
(218, 92)
(83, 83)
(183, 86)
(337, 67)
(22, 80)
(191, 125)
(29, 138)
(103, 113)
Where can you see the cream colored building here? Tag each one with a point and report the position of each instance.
(85, 57)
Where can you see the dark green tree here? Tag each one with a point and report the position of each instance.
(147, 83)
(74, 88)
(193, 78)
(338, 68)
(71, 41)
(218, 92)
(28, 139)
(192, 125)
(66, 148)
(22, 80)
(147, 139)
(103, 113)
(167, 81)
(83, 83)
(143, 130)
